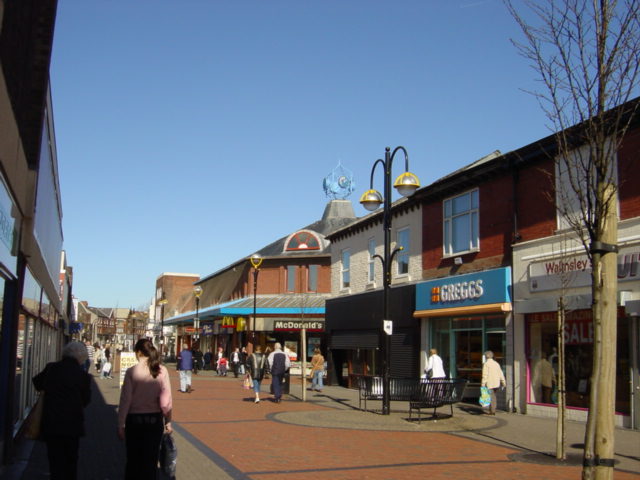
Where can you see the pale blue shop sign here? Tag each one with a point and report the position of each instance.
(481, 288)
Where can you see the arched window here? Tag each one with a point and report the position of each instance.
(302, 240)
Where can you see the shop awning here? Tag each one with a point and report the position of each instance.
(472, 310)
(288, 306)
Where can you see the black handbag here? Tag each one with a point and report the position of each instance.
(168, 455)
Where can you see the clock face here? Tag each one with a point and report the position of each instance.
(339, 183)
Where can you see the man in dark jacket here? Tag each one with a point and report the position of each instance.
(67, 390)
(279, 363)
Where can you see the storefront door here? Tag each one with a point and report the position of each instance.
(468, 355)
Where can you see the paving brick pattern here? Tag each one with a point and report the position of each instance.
(222, 434)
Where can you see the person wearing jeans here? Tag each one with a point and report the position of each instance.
(317, 370)
(185, 367)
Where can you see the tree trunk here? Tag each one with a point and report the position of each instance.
(599, 436)
(560, 384)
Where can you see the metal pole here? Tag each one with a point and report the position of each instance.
(197, 320)
(162, 331)
(253, 321)
(386, 339)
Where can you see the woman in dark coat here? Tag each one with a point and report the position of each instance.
(67, 390)
(255, 366)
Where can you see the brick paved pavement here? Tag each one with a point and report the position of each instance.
(222, 434)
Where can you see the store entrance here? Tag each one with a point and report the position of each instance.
(468, 355)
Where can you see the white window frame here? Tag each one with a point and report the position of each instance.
(448, 217)
(345, 273)
(371, 270)
(403, 256)
(291, 277)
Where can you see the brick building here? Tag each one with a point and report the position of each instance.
(292, 284)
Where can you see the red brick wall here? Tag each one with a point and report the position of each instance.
(178, 291)
(536, 207)
(496, 214)
(272, 279)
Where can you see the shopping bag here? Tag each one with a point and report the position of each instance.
(246, 383)
(168, 455)
(33, 425)
(485, 397)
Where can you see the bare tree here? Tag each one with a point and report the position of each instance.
(587, 57)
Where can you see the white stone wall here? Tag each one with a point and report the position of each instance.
(358, 245)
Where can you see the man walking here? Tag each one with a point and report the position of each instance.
(279, 363)
(185, 366)
(235, 361)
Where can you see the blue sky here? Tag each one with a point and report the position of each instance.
(190, 134)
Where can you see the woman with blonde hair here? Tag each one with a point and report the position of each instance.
(144, 412)
(317, 370)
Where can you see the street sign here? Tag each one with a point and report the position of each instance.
(387, 325)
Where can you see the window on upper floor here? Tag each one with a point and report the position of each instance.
(402, 257)
(460, 226)
(291, 278)
(576, 184)
(312, 280)
(371, 275)
(345, 272)
(302, 240)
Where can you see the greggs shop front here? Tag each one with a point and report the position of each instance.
(463, 316)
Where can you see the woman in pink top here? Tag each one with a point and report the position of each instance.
(144, 412)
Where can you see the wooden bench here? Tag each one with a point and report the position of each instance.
(372, 388)
(435, 393)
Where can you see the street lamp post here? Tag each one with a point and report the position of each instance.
(196, 321)
(406, 184)
(256, 261)
(162, 302)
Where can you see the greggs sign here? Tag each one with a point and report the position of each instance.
(490, 286)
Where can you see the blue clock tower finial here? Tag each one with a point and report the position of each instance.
(339, 183)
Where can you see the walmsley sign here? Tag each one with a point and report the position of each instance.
(575, 271)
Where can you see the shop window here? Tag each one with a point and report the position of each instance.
(402, 257)
(460, 228)
(31, 292)
(461, 343)
(578, 339)
(345, 272)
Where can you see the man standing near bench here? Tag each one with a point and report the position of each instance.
(279, 363)
(434, 365)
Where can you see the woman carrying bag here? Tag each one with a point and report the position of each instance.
(255, 366)
(144, 413)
